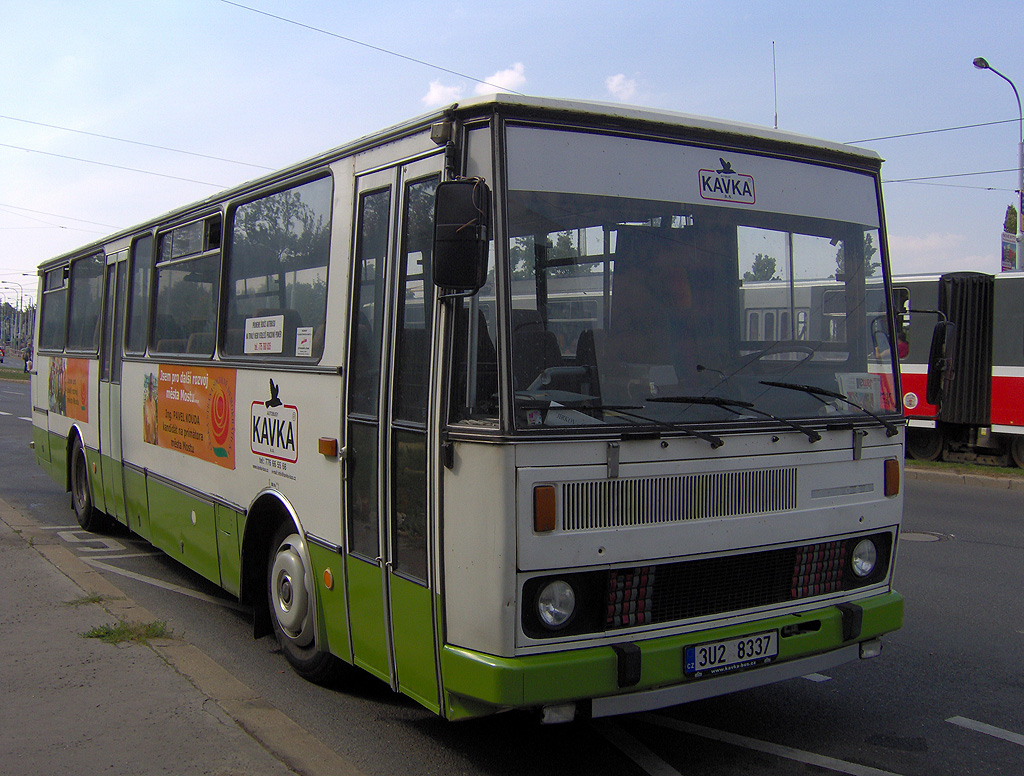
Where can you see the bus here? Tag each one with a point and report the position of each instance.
(982, 420)
(473, 404)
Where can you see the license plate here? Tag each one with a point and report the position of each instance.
(719, 657)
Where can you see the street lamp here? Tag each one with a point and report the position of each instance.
(21, 294)
(982, 64)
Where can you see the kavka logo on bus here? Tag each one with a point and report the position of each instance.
(275, 428)
(727, 185)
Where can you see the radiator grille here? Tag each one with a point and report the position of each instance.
(716, 585)
(617, 503)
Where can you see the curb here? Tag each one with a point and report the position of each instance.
(275, 731)
(976, 480)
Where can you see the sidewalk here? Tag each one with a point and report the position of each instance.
(77, 705)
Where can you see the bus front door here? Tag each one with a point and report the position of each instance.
(389, 515)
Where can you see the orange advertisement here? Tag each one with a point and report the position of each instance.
(191, 409)
(69, 387)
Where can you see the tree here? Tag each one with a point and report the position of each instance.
(763, 268)
(1010, 220)
(870, 267)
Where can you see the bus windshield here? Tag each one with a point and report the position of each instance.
(655, 283)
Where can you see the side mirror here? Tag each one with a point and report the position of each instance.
(940, 362)
(462, 211)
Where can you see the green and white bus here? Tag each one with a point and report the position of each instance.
(474, 405)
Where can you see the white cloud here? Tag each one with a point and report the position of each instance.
(508, 80)
(938, 252)
(439, 94)
(620, 87)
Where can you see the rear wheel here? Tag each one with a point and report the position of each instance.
(924, 444)
(1017, 451)
(292, 606)
(89, 517)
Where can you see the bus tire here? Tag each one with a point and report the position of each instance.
(290, 598)
(924, 444)
(89, 517)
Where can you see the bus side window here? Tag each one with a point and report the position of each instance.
(85, 302)
(54, 312)
(277, 268)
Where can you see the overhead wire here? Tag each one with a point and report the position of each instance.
(109, 164)
(356, 42)
(932, 131)
(135, 142)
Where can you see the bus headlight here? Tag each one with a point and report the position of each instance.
(864, 557)
(556, 603)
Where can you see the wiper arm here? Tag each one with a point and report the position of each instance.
(711, 439)
(818, 393)
(733, 404)
(584, 403)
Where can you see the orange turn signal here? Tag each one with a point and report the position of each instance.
(892, 476)
(544, 512)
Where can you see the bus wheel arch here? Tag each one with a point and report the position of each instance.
(278, 581)
(79, 482)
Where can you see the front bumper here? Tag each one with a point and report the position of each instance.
(477, 684)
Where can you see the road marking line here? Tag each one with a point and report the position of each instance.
(821, 761)
(990, 730)
(99, 564)
(634, 750)
(5, 414)
(28, 419)
(818, 678)
(133, 555)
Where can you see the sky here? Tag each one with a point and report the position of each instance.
(212, 93)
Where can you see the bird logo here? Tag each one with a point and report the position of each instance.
(726, 167)
(273, 401)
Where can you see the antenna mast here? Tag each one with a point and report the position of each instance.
(775, 83)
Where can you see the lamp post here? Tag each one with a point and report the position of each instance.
(5, 329)
(21, 294)
(982, 64)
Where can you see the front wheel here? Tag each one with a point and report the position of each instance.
(292, 608)
(89, 517)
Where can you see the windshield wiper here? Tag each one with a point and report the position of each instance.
(818, 393)
(584, 403)
(733, 404)
(711, 439)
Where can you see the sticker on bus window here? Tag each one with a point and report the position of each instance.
(264, 335)
(870, 391)
(304, 341)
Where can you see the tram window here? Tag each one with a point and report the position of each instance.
(785, 332)
(801, 325)
(754, 327)
(85, 302)
(277, 273)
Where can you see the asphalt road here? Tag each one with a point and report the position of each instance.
(943, 698)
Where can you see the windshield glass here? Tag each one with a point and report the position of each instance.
(650, 277)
